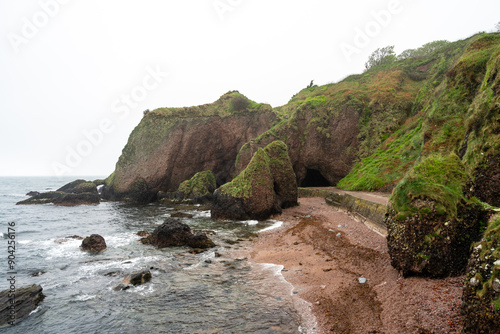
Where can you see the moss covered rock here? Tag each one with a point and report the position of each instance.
(201, 184)
(431, 224)
(481, 294)
(264, 187)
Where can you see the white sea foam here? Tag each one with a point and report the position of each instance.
(205, 214)
(251, 222)
(276, 224)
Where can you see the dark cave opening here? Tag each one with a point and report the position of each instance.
(314, 179)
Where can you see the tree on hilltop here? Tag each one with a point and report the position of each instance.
(381, 56)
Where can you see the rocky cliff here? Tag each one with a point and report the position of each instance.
(170, 145)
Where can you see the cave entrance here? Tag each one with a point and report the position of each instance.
(314, 178)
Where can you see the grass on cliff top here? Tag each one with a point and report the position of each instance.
(438, 178)
(227, 105)
(201, 184)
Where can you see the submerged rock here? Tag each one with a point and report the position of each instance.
(26, 300)
(481, 293)
(264, 187)
(175, 233)
(94, 243)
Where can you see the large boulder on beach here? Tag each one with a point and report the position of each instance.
(94, 243)
(432, 223)
(175, 233)
(264, 187)
(481, 293)
(17, 303)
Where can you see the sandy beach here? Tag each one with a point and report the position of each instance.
(342, 269)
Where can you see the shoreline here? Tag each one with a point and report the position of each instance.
(325, 254)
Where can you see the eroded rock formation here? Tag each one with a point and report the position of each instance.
(264, 187)
(170, 145)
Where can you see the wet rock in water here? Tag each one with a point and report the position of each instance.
(122, 287)
(143, 234)
(175, 233)
(200, 240)
(26, 300)
(138, 277)
(77, 199)
(43, 198)
(266, 186)
(481, 292)
(94, 243)
(181, 215)
(79, 192)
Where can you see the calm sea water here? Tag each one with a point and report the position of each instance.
(188, 293)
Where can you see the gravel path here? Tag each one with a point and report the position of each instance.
(325, 253)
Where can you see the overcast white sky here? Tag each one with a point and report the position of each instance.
(76, 75)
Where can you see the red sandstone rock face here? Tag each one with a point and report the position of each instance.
(167, 149)
(309, 149)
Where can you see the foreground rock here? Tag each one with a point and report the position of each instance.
(175, 233)
(481, 294)
(26, 300)
(94, 243)
(264, 187)
(78, 192)
(432, 224)
(198, 189)
(171, 144)
(138, 277)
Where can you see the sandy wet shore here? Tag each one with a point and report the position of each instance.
(325, 253)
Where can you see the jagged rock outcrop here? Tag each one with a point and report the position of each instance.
(264, 187)
(175, 233)
(94, 244)
(138, 277)
(198, 189)
(78, 192)
(431, 224)
(481, 294)
(19, 302)
(170, 145)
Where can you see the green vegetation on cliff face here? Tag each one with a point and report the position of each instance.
(456, 110)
